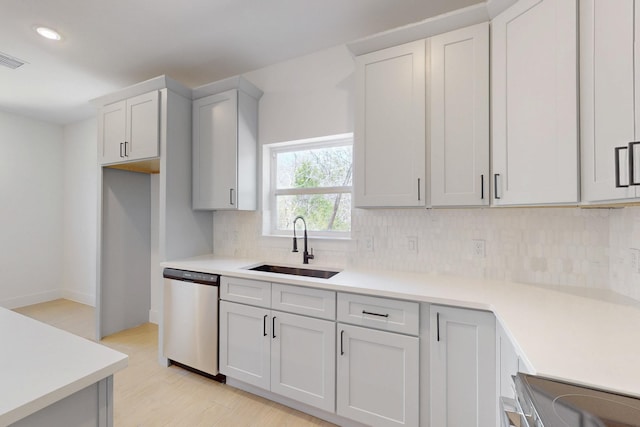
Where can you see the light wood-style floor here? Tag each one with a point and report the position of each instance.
(148, 394)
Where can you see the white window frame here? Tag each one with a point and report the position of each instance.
(271, 152)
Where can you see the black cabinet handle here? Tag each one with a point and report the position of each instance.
(121, 144)
(617, 151)
(273, 327)
(418, 189)
(341, 342)
(375, 314)
(632, 174)
(264, 325)
(438, 327)
(482, 187)
(125, 149)
(495, 185)
(231, 196)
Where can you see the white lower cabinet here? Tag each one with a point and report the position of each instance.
(381, 366)
(289, 354)
(245, 343)
(303, 359)
(463, 367)
(378, 376)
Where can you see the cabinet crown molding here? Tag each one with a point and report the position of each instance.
(481, 12)
(156, 83)
(236, 82)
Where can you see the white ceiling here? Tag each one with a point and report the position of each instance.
(111, 44)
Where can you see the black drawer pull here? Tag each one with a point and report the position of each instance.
(342, 342)
(273, 327)
(632, 173)
(374, 314)
(618, 171)
(264, 325)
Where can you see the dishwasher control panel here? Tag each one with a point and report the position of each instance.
(190, 276)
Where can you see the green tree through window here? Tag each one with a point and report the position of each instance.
(313, 180)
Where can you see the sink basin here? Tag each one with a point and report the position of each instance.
(297, 271)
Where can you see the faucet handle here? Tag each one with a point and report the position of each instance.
(310, 256)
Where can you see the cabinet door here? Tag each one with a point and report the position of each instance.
(389, 145)
(534, 93)
(143, 126)
(459, 117)
(463, 366)
(215, 151)
(303, 359)
(506, 362)
(607, 97)
(111, 132)
(378, 377)
(245, 343)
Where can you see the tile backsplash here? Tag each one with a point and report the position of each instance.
(594, 248)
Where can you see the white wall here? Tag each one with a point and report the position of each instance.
(80, 211)
(31, 210)
(306, 97)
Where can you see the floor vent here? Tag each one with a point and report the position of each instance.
(10, 61)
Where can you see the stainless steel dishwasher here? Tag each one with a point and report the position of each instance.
(190, 320)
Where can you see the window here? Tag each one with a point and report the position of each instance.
(311, 178)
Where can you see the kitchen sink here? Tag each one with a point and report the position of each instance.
(297, 271)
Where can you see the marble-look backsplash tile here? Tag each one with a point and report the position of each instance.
(558, 246)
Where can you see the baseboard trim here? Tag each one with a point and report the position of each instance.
(25, 300)
(154, 317)
(82, 298)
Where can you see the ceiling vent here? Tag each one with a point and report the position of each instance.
(10, 61)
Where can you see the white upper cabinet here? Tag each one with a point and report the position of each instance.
(459, 117)
(225, 135)
(608, 97)
(130, 129)
(389, 145)
(534, 100)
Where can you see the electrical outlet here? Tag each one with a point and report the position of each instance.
(478, 248)
(368, 243)
(412, 244)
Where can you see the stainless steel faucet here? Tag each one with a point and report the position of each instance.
(306, 256)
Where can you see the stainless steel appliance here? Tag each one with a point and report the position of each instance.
(190, 319)
(542, 402)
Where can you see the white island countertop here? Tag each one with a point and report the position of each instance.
(40, 365)
(587, 337)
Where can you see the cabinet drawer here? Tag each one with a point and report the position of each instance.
(306, 301)
(379, 313)
(252, 292)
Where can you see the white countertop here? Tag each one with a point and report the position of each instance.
(40, 365)
(588, 337)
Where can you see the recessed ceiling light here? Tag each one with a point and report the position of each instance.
(48, 33)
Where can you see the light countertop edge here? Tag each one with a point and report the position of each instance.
(41, 364)
(560, 332)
